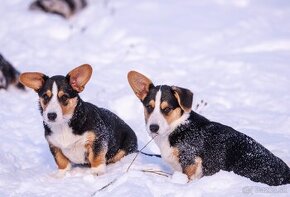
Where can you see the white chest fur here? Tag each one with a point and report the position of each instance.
(71, 145)
(167, 152)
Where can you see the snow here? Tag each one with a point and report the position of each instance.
(232, 54)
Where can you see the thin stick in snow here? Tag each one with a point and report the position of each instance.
(104, 187)
(139, 153)
(158, 172)
(113, 181)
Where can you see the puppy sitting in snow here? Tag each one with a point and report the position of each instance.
(8, 75)
(64, 8)
(197, 146)
(76, 131)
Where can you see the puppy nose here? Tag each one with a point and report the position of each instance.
(154, 128)
(51, 116)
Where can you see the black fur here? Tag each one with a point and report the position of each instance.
(167, 95)
(38, 4)
(185, 96)
(72, 5)
(10, 75)
(223, 148)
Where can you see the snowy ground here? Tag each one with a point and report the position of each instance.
(233, 54)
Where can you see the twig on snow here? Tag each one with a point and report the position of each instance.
(150, 171)
(158, 172)
(139, 153)
(104, 187)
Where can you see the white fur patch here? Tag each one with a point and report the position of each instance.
(99, 170)
(198, 172)
(53, 106)
(167, 152)
(60, 173)
(156, 117)
(71, 145)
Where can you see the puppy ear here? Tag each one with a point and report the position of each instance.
(34, 80)
(139, 83)
(79, 77)
(184, 97)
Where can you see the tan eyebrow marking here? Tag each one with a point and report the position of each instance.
(164, 104)
(60, 94)
(49, 93)
(152, 103)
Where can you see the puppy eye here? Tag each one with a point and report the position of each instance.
(166, 110)
(64, 98)
(149, 108)
(45, 97)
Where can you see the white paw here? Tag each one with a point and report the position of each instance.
(60, 173)
(179, 177)
(195, 177)
(101, 169)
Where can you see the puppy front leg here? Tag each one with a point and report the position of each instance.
(119, 155)
(62, 161)
(97, 159)
(193, 171)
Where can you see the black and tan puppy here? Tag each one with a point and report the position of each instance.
(78, 132)
(8, 75)
(197, 146)
(64, 8)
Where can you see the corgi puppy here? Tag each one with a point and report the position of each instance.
(64, 8)
(196, 146)
(8, 75)
(78, 132)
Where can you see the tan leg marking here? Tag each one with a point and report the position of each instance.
(194, 171)
(91, 137)
(120, 154)
(94, 160)
(61, 160)
(175, 152)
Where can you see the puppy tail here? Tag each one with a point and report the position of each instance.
(150, 155)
